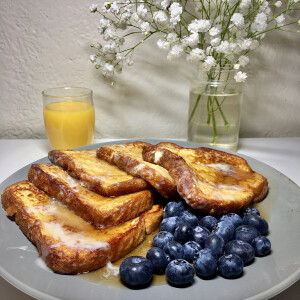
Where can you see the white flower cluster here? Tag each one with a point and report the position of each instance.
(225, 33)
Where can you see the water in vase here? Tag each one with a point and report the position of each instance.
(214, 119)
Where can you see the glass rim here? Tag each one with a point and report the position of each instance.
(86, 92)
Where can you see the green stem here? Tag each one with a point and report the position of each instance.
(208, 104)
(214, 128)
(227, 125)
(194, 108)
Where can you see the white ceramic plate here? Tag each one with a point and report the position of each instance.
(21, 266)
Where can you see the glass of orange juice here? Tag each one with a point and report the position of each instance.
(69, 117)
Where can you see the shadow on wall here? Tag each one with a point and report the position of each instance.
(152, 94)
(270, 96)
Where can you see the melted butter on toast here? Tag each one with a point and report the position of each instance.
(67, 243)
(101, 211)
(96, 174)
(129, 158)
(209, 180)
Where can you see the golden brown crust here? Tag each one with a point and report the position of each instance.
(209, 180)
(68, 244)
(98, 210)
(98, 175)
(128, 157)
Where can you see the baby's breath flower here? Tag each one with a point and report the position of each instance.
(141, 11)
(93, 58)
(163, 44)
(215, 42)
(106, 6)
(214, 31)
(245, 44)
(244, 6)
(107, 69)
(115, 8)
(93, 8)
(224, 47)
(209, 51)
(129, 62)
(260, 22)
(280, 19)
(135, 17)
(199, 26)
(165, 4)
(172, 37)
(196, 55)
(278, 4)
(254, 45)
(160, 17)
(209, 62)
(240, 76)
(228, 30)
(191, 40)
(119, 56)
(175, 11)
(104, 24)
(243, 60)
(145, 27)
(237, 19)
(176, 51)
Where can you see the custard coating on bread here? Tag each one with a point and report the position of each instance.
(98, 175)
(209, 180)
(96, 209)
(67, 243)
(128, 157)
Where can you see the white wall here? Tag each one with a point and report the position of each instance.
(45, 44)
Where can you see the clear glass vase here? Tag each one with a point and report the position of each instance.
(215, 107)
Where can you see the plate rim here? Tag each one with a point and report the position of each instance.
(27, 289)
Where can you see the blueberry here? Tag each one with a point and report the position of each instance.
(136, 271)
(200, 234)
(216, 244)
(234, 218)
(169, 224)
(179, 273)
(257, 222)
(246, 233)
(187, 217)
(158, 259)
(208, 222)
(190, 249)
(173, 209)
(205, 263)
(162, 238)
(225, 230)
(230, 266)
(251, 210)
(261, 245)
(183, 233)
(173, 250)
(243, 249)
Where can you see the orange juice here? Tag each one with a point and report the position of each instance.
(69, 124)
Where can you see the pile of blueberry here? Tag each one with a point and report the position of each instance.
(206, 245)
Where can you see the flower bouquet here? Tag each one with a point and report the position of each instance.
(217, 34)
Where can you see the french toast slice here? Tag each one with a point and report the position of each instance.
(98, 175)
(128, 157)
(99, 210)
(209, 180)
(67, 243)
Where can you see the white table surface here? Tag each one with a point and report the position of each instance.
(283, 154)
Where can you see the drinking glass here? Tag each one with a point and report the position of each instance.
(69, 117)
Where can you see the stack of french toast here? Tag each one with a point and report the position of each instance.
(90, 207)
